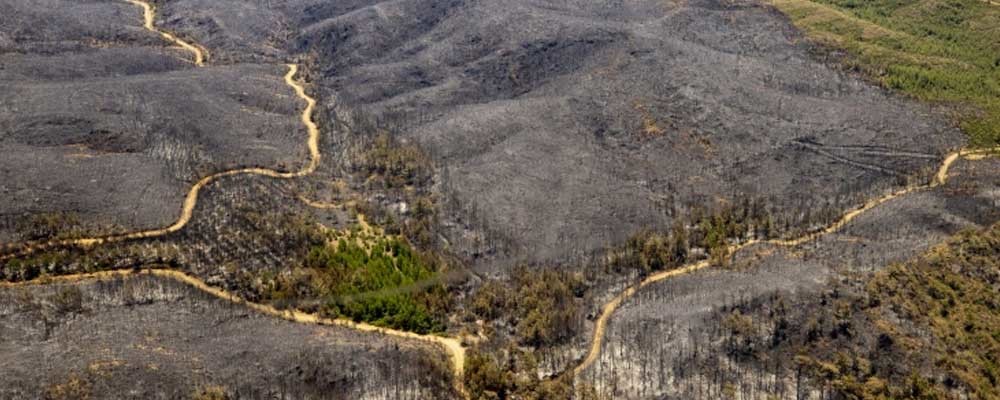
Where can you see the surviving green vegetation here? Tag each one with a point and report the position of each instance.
(383, 282)
(366, 276)
(942, 51)
(925, 329)
(950, 293)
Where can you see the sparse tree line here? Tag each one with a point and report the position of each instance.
(508, 306)
(534, 309)
(924, 329)
(35, 314)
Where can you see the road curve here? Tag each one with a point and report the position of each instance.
(191, 200)
(607, 311)
(452, 346)
(149, 14)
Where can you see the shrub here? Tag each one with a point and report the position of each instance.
(68, 299)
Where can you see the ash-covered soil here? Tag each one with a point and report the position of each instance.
(100, 120)
(145, 337)
(562, 126)
(558, 127)
(655, 332)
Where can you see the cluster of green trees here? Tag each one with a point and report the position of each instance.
(540, 304)
(387, 284)
(512, 373)
(390, 283)
(389, 262)
(943, 51)
(712, 232)
(361, 274)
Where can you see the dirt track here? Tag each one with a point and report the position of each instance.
(191, 200)
(451, 345)
(145, 336)
(607, 311)
(149, 14)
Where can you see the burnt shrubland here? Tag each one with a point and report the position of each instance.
(146, 337)
(919, 329)
(562, 127)
(809, 321)
(502, 169)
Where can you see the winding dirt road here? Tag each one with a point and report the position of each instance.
(191, 200)
(452, 346)
(607, 311)
(149, 14)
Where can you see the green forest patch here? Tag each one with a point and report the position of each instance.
(386, 284)
(944, 51)
(367, 276)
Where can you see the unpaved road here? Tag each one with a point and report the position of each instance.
(149, 14)
(607, 311)
(191, 200)
(451, 345)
